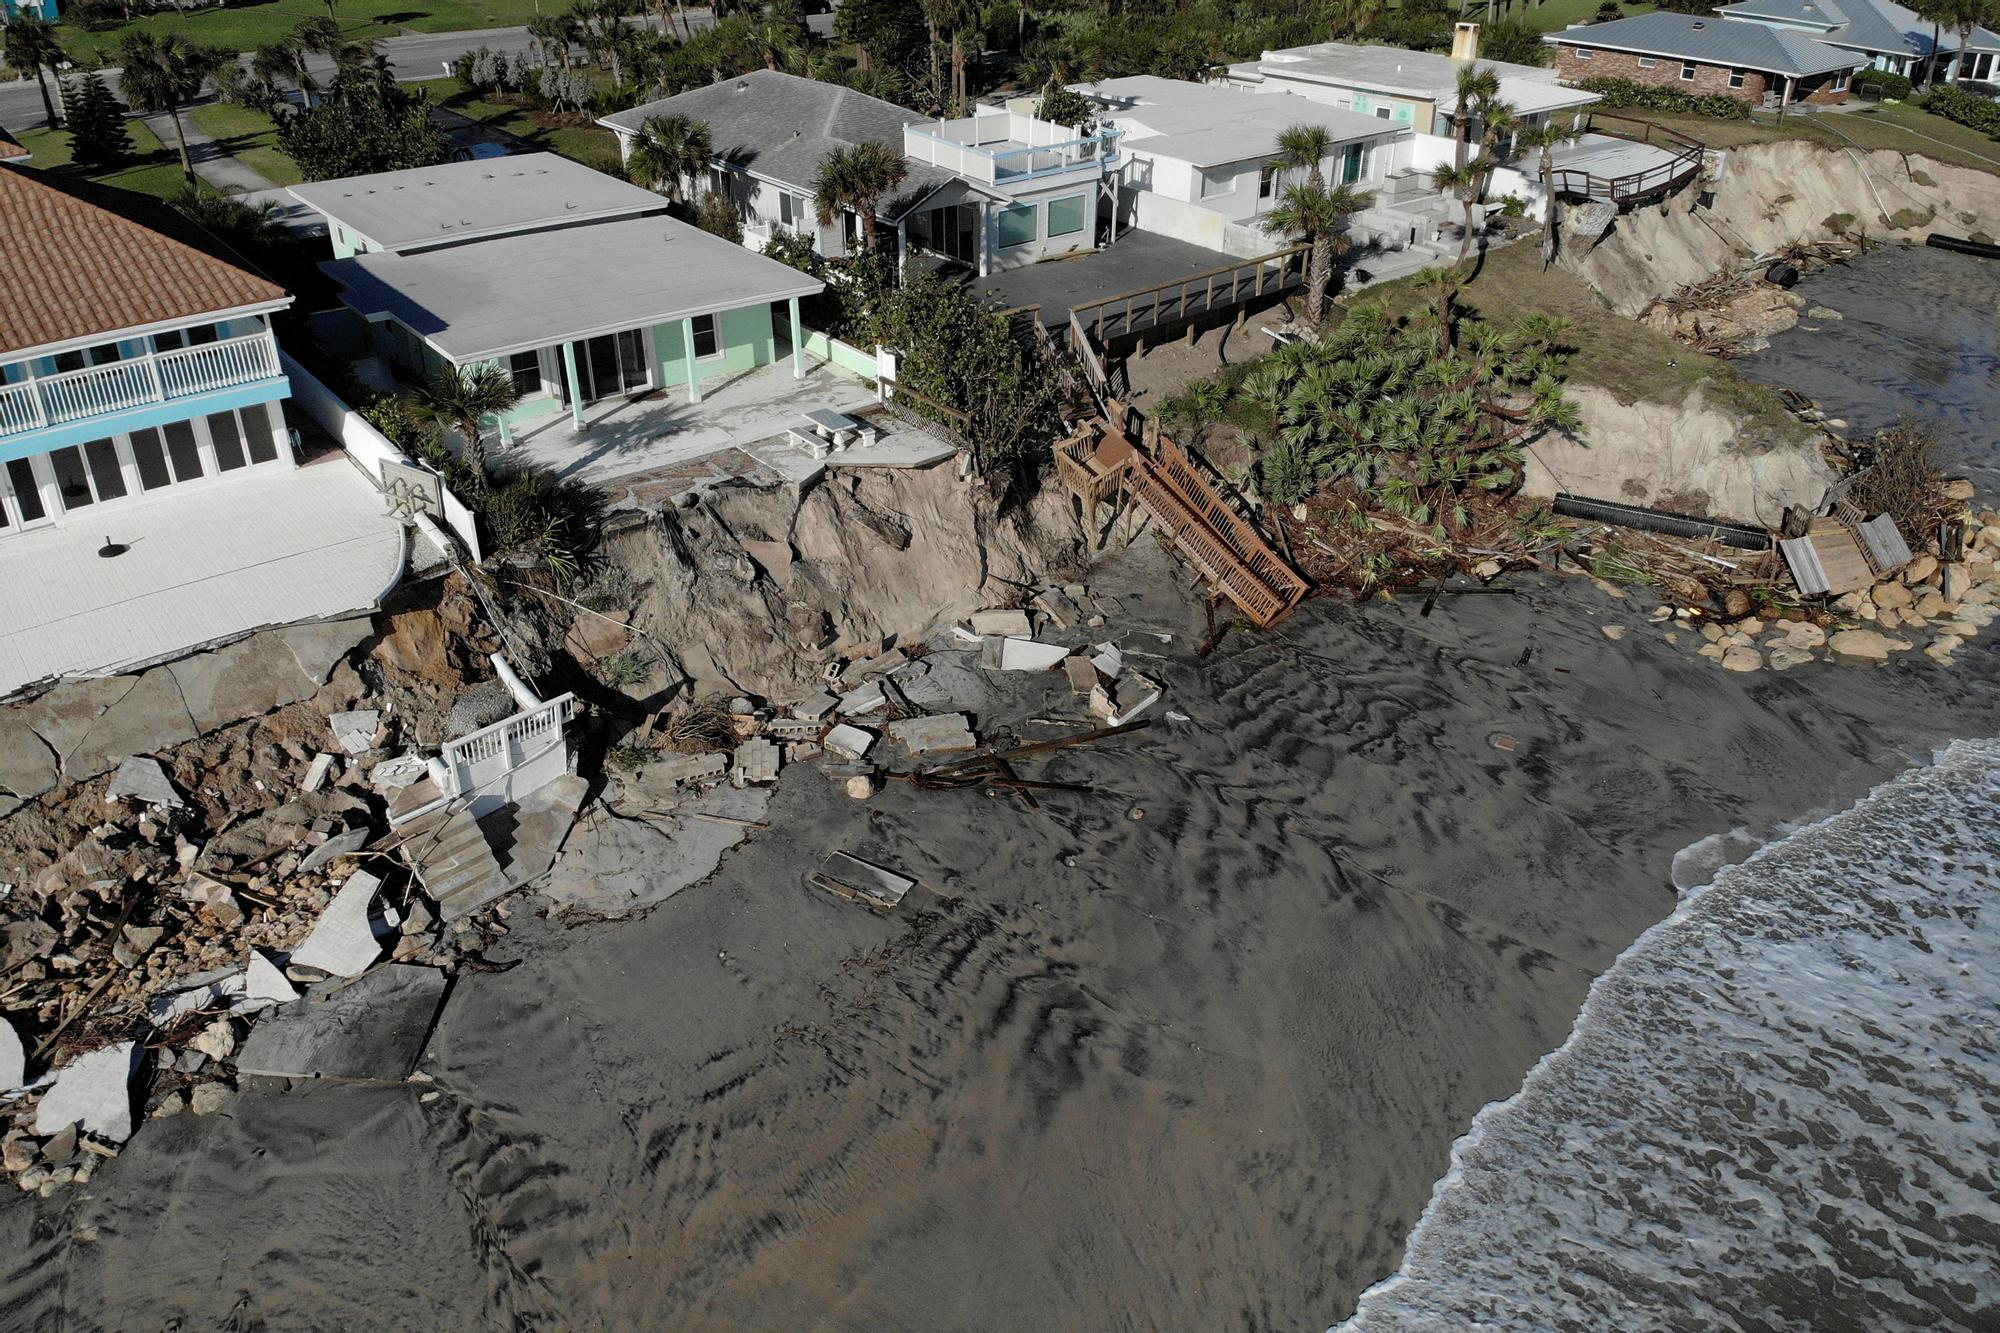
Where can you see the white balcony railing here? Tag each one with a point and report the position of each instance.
(1004, 149)
(156, 377)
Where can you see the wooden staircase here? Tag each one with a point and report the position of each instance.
(1206, 532)
(451, 855)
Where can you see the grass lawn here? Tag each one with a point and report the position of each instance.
(585, 142)
(1552, 15)
(250, 137)
(1901, 128)
(247, 27)
(153, 169)
(1620, 355)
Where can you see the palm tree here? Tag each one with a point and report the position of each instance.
(554, 33)
(1477, 85)
(778, 43)
(32, 45)
(1304, 147)
(1319, 215)
(459, 399)
(165, 74)
(667, 151)
(1468, 179)
(855, 179)
(1547, 137)
(1961, 16)
(1440, 288)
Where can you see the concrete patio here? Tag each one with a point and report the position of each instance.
(738, 422)
(199, 567)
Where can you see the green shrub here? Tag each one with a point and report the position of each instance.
(717, 215)
(1890, 84)
(1648, 97)
(1965, 108)
(619, 670)
(1286, 473)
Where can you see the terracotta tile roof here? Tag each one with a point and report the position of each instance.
(10, 147)
(75, 268)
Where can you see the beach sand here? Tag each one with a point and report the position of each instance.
(1193, 1070)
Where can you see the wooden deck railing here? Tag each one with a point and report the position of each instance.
(926, 413)
(1197, 294)
(1634, 186)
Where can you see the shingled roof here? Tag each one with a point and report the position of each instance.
(76, 268)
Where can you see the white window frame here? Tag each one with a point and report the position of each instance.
(1841, 80)
(1739, 78)
(1270, 178)
(1647, 62)
(1689, 68)
(1584, 53)
(1209, 190)
(715, 331)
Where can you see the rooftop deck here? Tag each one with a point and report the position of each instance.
(199, 567)
(742, 418)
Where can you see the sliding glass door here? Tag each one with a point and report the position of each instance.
(613, 364)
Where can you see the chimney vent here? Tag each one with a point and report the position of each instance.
(1465, 41)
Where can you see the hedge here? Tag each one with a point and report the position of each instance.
(1967, 109)
(1892, 85)
(1650, 97)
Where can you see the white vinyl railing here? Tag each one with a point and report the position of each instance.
(153, 378)
(483, 755)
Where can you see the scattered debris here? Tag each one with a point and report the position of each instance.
(756, 761)
(315, 777)
(1001, 624)
(932, 735)
(93, 1092)
(355, 731)
(859, 881)
(1017, 654)
(851, 741)
(265, 983)
(340, 844)
(142, 779)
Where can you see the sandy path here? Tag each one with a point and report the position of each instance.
(1198, 1070)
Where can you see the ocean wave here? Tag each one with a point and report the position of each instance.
(1776, 1109)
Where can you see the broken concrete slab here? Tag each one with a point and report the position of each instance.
(340, 844)
(141, 779)
(1082, 674)
(147, 719)
(28, 767)
(373, 1029)
(677, 769)
(265, 983)
(1108, 660)
(814, 706)
(318, 647)
(248, 678)
(848, 740)
(13, 1059)
(615, 865)
(1056, 605)
(355, 731)
(542, 823)
(393, 775)
(794, 728)
(1028, 655)
(943, 734)
(93, 1091)
(865, 699)
(212, 993)
(343, 941)
(862, 882)
(315, 778)
(65, 714)
(1001, 624)
(881, 665)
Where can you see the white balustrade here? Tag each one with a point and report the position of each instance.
(153, 378)
(486, 754)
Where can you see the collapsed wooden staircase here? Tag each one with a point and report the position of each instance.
(1100, 462)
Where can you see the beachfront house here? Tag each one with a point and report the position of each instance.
(151, 499)
(1760, 63)
(1201, 161)
(132, 364)
(993, 190)
(576, 283)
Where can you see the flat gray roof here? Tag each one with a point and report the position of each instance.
(495, 297)
(462, 201)
(1207, 124)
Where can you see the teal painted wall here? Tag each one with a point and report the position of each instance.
(746, 338)
(847, 358)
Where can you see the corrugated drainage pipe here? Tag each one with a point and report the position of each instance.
(1658, 520)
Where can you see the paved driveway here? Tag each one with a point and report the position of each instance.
(1138, 259)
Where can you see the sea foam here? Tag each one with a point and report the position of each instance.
(1779, 1109)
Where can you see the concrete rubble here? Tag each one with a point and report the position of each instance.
(93, 1093)
(373, 1029)
(355, 731)
(343, 943)
(141, 779)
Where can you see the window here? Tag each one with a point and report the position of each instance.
(1647, 62)
(525, 369)
(1585, 53)
(152, 460)
(71, 483)
(718, 181)
(105, 473)
(705, 341)
(1350, 164)
(1383, 112)
(1218, 181)
(257, 434)
(1269, 177)
(1018, 225)
(167, 455)
(177, 338)
(1839, 82)
(226, 439)
(27, 491)
(1737, 77)
(1687, 71)
(1066, 216)
(786, 216)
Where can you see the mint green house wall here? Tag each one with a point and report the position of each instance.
(746, 338)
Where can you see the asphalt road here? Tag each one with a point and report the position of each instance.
(421, 55)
